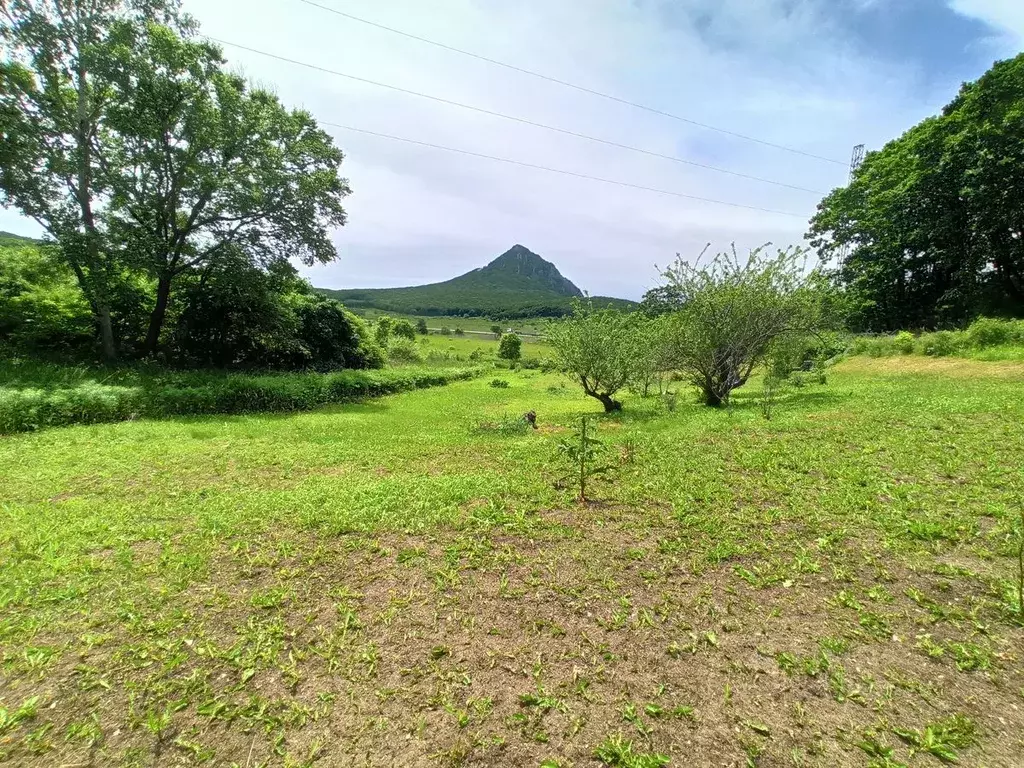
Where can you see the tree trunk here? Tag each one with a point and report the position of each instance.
(156, 319)
(106, 334)
(609, 404)
(712, 398)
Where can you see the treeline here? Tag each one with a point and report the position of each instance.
(489, 304)
(174, 197)
(930, 231)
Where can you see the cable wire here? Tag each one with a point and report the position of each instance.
(513, 118)
(574, 86)
(510, 161)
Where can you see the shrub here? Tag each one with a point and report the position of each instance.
(403, 350)
(421, 327)
(941, 343)
(26, 409)
(904, 342)
(446, 331)
(506, 426)
(510, 347)
(499, 384)
(990, 332)
(459, 331)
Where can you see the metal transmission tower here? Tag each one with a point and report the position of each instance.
(856, 158)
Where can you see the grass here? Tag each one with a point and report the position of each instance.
(989, 339)
(386, 582)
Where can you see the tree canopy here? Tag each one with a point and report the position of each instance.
(147, 162)
(933, 223)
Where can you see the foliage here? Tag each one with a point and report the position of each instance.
(510, 347)
(989, 337)
(499, 384)
(26, 407)
(734, 313)
(147, 163)
(661, 300)
(41, 306)
(402, 350)
(404, 329)
(651, 353)
(421, 327)
(459, 331)
(933, 221)
(597, 348)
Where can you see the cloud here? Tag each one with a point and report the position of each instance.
(1004, 16)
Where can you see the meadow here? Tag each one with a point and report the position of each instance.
(411, 580)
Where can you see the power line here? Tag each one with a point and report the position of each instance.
(513, 118)
(574, 86)
(562, 171)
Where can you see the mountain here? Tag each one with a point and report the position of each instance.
(517, 284)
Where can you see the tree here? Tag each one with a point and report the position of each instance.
(459, 331)
(650, 353)
(934, 222)
(598, 349)
(496, 330)
(510, 347)
(421, 327)
(382, 330)
(199, 162)
(733, 313)
(661, 300)
(404, 329)
(53, 121)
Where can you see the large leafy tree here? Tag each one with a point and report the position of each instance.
(932, 225)
(201, 163)
(52, 107)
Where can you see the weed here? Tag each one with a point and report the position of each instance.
(617, 752)
(582, 452)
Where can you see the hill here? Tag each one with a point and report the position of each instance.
(11, 239)
(517, 284)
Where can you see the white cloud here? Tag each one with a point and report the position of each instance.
(1007, 16)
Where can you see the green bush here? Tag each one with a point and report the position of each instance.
(25, 409)
(402, 350)
(941, 343)
(904, 342)
(499, 384)
(990, 332)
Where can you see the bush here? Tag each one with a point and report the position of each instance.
(941, 343)
(510, 347)
(506, 426)
(904, 342)
(24, 409)
(459, 332)
(499, 384)
(403, 350)
(990, 332)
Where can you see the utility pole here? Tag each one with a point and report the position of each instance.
(856, 158)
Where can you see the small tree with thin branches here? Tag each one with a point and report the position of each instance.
(732, 312)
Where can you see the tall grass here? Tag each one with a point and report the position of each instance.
(34, 396)
(985, 338)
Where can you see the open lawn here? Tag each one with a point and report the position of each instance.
(406, 581)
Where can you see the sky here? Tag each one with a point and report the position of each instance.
(815, 75)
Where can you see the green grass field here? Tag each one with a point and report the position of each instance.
(479, 325)
(409, 581)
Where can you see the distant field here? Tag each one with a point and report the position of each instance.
(533, 327)
(406, 582)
